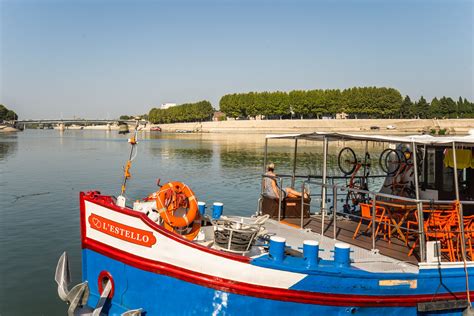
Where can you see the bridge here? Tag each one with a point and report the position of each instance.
(78, 121)
(63, 124)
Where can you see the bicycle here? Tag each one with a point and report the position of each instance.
(350, 165)
(399, 165)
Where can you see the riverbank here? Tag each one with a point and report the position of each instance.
(7, 129)
(359, 126)
(372, 126)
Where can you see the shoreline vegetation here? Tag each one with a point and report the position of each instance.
(356, 103)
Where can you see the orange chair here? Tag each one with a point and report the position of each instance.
(468, 237)
(469, 232)
(441, 226)
(380, 218)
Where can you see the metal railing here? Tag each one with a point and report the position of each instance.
(373, 197)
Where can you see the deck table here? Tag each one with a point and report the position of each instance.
(404, 208)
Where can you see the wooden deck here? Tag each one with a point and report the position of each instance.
(345, 230)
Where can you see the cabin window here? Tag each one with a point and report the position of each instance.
(448, 179)
(431, 168)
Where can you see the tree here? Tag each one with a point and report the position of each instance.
(316, 102)
(422, 108)
(434, 109)
(448, 107)
(464, 108)
(280, 103)
(298, 100)
(6, 114)
(406, 108)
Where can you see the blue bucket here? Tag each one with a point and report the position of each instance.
(202, 208)
(277, 248)
(217, 209)
(311, 252)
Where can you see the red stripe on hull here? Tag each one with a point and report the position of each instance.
(241, 288)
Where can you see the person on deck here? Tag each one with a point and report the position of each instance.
(271, 189)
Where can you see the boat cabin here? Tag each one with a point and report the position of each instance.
(393, 194)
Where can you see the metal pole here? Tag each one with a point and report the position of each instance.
(265, 156)
(365, 164)
(334, 208)
(374, 209)
(423, 167)
(302, 204)
(461, 222)
(263, 177)
(419, 206)
(280, 200)
(294, 164)
(323, 189)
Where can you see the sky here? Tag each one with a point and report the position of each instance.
(104, 58)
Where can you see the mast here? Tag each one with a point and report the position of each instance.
(128, 165)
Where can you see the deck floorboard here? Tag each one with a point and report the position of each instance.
(345, 229)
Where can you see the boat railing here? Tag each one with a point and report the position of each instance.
(372, 197)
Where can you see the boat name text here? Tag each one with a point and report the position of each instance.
(124, 232)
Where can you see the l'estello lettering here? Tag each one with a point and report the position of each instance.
(121, 231)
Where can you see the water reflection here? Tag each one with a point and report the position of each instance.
(8, 145)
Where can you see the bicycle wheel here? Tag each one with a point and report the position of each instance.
(390, 161)
(420, 157)
(354, 198)
(347, 160)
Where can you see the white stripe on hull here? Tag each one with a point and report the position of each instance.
(175, 253)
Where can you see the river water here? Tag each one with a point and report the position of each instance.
(43, 171)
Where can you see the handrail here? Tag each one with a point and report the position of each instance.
(330, 177)
(390, 196)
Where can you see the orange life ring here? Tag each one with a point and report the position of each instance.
(175, 195)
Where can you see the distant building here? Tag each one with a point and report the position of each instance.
(341, 116)
(165, 106)
(218, 116)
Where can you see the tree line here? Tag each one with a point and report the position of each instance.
(6, 114)
(444, 107)
(188, 112)
(358, 102)
(364, 102)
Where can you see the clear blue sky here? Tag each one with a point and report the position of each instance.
(100, 59)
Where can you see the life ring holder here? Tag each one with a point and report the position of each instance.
(196, 227)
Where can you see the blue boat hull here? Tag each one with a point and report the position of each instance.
(159, 294)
